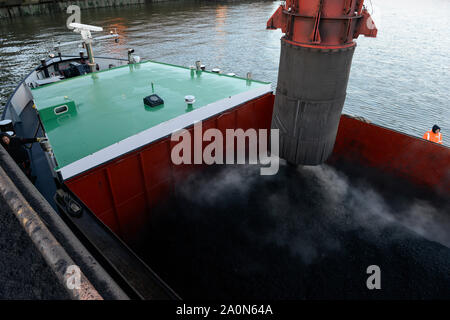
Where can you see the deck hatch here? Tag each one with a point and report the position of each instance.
(106, 116)
(61, 109)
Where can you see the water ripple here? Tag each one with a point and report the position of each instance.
(398, 80)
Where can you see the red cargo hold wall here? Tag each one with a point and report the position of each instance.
(419, 161)
(122, 192)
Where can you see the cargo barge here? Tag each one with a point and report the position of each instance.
(107, 166)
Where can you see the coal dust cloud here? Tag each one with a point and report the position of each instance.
(305, 233)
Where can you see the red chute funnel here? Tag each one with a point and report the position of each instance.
(315, 61)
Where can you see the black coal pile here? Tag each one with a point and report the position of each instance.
(305, 233)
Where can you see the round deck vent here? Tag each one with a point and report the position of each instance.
(189, 99)
(216, 70)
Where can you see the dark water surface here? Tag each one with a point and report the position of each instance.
(399, 80)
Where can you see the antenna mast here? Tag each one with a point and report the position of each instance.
(85, 31)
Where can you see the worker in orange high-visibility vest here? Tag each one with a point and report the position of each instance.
(434, 135)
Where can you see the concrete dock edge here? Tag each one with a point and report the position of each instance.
(53, 238)
(52, 252)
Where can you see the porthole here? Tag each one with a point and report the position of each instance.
(60, 110)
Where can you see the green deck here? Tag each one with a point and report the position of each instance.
(109, 106)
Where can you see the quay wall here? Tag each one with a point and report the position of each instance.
(16, 8)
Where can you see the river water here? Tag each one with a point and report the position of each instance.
(399, 80)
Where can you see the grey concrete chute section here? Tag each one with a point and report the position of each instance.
(312, 85)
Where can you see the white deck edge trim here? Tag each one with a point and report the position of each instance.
(161, 130)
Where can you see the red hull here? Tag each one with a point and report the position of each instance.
(123, 191)
(418, 161)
